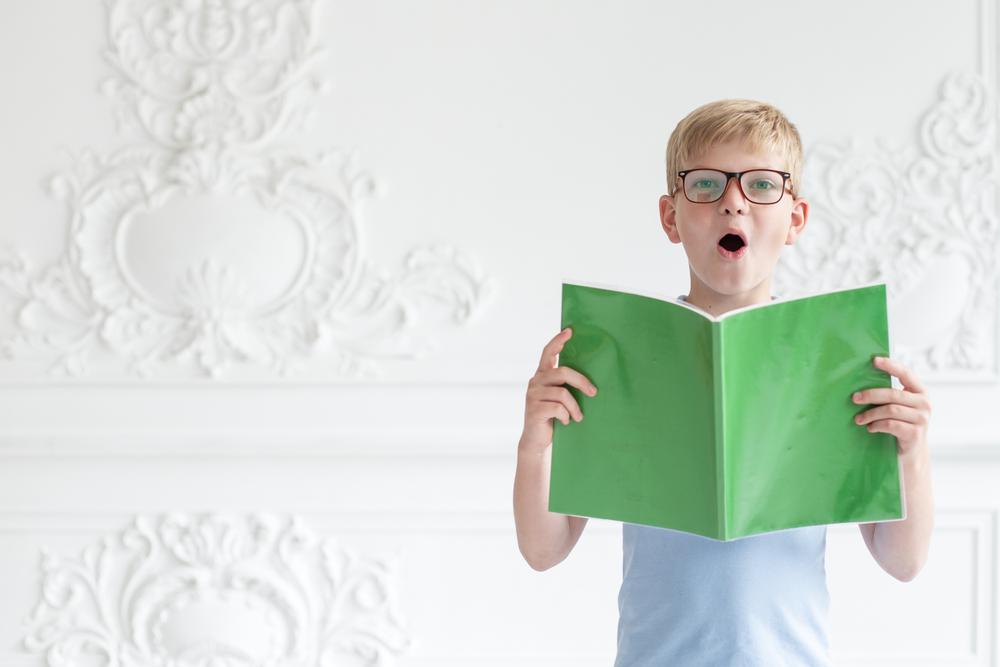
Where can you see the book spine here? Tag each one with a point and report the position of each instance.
(719, 428)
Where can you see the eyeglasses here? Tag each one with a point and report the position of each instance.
(760, 186)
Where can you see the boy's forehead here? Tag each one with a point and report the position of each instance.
(736, 156)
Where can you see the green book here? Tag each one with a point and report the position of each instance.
(725, 426)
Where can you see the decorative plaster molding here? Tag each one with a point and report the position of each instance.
(887, 214)
(217, 590)
(141, 289)
(417, 445)
(211, 72)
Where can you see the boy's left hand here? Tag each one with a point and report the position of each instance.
(904, 413)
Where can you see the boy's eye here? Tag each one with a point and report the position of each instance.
(762, 185)
(706, 184)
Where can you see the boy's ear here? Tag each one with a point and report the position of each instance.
(668, 218)
(799, 216)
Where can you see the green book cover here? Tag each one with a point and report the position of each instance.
(725, 426)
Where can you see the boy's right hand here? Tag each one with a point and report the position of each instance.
(547, 398)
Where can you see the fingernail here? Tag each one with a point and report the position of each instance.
(593, 391)
(856, 396)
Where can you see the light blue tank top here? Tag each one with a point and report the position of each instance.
(692, 601)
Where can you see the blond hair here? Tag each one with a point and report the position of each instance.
(758, 125)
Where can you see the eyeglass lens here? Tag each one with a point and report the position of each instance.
(707, 185)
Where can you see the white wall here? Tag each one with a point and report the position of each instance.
(225, 359)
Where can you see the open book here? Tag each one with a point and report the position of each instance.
(725, 426)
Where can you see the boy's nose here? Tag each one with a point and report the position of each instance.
(732, 200)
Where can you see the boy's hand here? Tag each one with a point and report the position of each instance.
(904, 413)
(547, 397)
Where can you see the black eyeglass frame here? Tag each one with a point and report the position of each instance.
(785, 176)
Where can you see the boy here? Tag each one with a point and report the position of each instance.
(733, 174)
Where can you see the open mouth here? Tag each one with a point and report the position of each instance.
(732, 242)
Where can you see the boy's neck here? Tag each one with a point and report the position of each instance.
(716, 304)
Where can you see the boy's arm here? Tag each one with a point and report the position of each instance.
(545, 538)
(900, 547)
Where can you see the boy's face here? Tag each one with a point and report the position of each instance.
(700, 226)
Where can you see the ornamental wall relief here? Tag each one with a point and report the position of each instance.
(924, 220)
(204, 247)
(217, 590)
